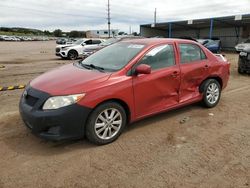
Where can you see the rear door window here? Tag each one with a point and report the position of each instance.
(191, 53)
(96, 41)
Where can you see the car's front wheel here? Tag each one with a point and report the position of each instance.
(211, 93)
(106, 123)
(72, 55)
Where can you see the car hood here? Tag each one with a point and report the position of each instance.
(211, 45)
(69, 79)
(243, 45)
(247, 49)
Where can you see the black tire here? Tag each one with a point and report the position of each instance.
(206, 89)
(90, 129)
(72, 55)
(240, 71)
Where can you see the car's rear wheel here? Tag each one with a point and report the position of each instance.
(211, 93)
(106, 123)
(72, 55)
(240, 71)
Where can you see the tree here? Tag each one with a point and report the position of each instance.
(77, 34)
(57, 33)
(135, 34)
(46, 32)
(121, 33)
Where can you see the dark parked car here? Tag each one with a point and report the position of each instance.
(213, 45)
(188, 38)
(120, 84)
(244, 61)
(61, 41)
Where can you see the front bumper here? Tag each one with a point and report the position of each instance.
(58, 54)
(60, 124)
(62, 54)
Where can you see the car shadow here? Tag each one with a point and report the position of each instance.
(179, 114)
(23, 142)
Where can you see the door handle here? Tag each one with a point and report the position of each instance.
(206, 66)
(175, 74)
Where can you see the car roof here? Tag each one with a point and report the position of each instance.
(93, 39)
(155, 41)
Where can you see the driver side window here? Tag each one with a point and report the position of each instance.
(88, 42)
(159, 57)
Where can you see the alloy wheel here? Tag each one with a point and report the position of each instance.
(213, 93)
(108, 123)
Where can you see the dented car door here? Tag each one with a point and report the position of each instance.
(158, 90)
(194, 67)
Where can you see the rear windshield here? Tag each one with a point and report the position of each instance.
(114, 57)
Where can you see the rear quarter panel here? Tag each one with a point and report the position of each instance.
(218, 67)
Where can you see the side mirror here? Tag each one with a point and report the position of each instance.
(83, 44)
(143, 69)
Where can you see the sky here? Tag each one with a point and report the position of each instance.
(85, 15)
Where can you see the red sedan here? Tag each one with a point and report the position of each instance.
(122, 83)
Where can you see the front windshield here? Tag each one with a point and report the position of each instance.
(109, 41)
(114, 57)
(78, 42)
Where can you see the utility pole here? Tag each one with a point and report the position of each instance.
(155, 17)
(109, 18)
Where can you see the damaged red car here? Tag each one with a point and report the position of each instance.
(122, 83)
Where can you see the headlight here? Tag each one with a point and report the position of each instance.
(66, 48)
(61, 101)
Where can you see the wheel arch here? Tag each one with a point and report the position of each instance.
(122, 103)
(217, 78)
(74, 51)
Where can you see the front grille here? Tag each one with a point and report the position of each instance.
(58, 49)
(245, 59)
(30, 100)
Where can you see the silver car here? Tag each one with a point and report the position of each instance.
(240, 47)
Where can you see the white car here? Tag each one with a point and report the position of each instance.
(7, 38)
(75, 50)
(240, 47)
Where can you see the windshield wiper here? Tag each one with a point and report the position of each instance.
(91, 66)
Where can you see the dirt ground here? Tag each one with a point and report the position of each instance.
(211, 149)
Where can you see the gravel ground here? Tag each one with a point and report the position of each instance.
(210, 149)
